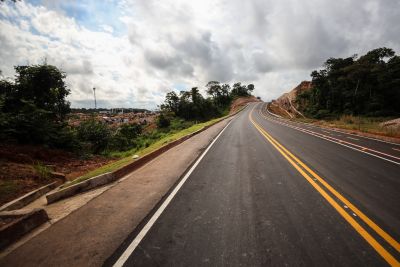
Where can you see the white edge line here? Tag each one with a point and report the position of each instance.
(340, 131)
(359, 150)
(273, 114)
(335, 130)
(131, 248)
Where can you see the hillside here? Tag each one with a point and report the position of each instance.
(286, 105)
(240, 102)
(290, 106)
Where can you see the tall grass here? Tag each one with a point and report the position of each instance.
(42, 170)
(364, 124)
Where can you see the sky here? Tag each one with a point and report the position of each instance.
(135, 51)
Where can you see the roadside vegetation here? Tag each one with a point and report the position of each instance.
(34, 113)
(368, 86)
(372, 125)
(355, 93)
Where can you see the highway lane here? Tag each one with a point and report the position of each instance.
(380, 148)
(372, 183)
(245, 204)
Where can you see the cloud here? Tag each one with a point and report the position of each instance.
(135, 51)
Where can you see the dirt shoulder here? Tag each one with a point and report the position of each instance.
(89, 235)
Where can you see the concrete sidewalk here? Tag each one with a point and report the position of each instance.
(89, 235)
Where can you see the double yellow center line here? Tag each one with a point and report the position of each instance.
(314, 178)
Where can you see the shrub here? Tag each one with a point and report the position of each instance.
(124, 137)
(163, 121)
(94, 134)
(42, 170)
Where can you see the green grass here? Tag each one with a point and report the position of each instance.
(42, 170)
(126, 156)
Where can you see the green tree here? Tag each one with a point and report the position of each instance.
(33, 106)
(369, 85)
(44, 85)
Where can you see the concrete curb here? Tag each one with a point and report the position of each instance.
(83, 186)
(121, 172)
(29, 197)
(25, 221)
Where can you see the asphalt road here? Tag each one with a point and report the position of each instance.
(269, 194)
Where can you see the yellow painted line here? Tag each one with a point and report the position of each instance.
(395, 244)
(364, 217)
(372, 241)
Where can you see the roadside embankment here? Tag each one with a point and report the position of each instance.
(91, 233)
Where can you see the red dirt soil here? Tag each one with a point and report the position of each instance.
(241, 102)
(18, 175)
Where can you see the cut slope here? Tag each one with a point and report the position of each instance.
(287, 101)
(240, 102)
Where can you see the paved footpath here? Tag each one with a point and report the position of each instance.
(89, 235)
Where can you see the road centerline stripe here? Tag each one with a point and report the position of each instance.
(340, 142)
(372, 241)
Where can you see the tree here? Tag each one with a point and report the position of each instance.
(191, 105)
(214, 89)
(34, 106)
(369, 85)
(171, 102)
(45, 86)
(241, 90)
(250, 88)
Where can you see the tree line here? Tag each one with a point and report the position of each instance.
(34, 110)
(367, 85)
(191, 105)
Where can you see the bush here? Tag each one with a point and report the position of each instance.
(42, 171)
(163, 121)
(124, 137)
(95, 135)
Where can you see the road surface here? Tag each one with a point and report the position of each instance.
(269, 192)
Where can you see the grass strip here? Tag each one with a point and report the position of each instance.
(127, 156)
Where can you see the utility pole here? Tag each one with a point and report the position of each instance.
(94, 94)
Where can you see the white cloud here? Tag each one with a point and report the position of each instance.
(273, 44)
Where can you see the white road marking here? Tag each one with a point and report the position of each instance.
(353, 138)
(395, 149)
(339, 131)
(124, 257)
(340, 142)
(325, 131)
